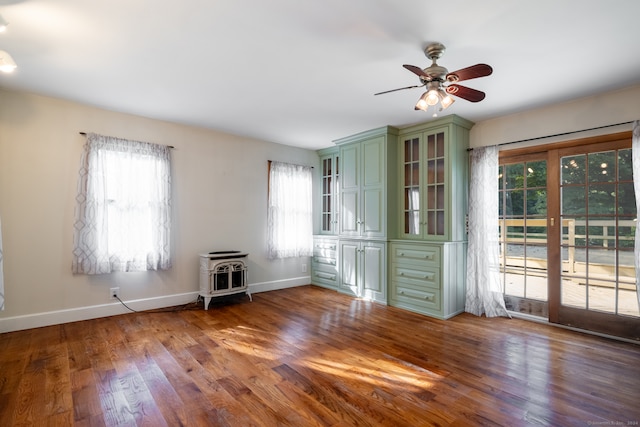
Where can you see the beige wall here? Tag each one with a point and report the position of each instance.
(219, 194)
(585, 113)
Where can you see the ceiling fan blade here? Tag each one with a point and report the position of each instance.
(417, 71)
(472, 72)
(393, 90)
(464, 92)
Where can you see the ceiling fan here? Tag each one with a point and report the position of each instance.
(440, 83)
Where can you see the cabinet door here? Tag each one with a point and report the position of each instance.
(349, 190)
(435, 184)
(373, 272)
(411, 199)
(372, 215)
(349, 264)
(329, 190)
(425, 181)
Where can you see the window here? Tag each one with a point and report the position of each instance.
(289, 216)
(123, 210)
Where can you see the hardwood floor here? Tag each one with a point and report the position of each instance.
(312, 357)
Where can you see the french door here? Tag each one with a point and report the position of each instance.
(567, 227)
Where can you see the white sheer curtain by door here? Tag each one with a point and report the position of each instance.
(123, 211)
(484, 293)
(635, 156)
(289, 216)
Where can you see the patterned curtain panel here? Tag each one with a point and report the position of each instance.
(484, 292)
(123, 211)
(1, 273)
(635, 156)
(289, 218)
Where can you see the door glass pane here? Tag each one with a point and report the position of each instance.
(523, 235)
(514, 203)
(514, 176)
(602, 167)
(625, 167)
(602, 199)
(598, 214)
(573, 169)
(573, 200)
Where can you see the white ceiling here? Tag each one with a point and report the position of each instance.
(303, 72)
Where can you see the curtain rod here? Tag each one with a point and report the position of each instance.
(290, 163)
(560, 134)
(85, 134)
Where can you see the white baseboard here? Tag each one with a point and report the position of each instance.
(37, 320)
(255, 288)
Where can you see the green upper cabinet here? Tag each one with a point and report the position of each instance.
(329, 188)
(366, 164)
(433, 173)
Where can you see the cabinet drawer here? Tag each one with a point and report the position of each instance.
(421, 277)
(325, 248)
(419, 255)
(427, 298)
(319, 261)
(330, 276)
(326, 265)
(324, 274)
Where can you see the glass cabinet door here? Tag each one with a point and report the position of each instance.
(424, 185)
(329, 179)
(411, 187)
(436, 186)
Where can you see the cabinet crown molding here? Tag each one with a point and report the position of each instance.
(443, 121)
(384, 130)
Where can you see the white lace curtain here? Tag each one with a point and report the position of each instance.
(635, 154)
(123, 211)
(289, 216)
(484, 292)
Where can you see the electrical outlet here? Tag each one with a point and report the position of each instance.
(114, 293)
(304, 268)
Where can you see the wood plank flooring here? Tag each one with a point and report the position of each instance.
(308, 356)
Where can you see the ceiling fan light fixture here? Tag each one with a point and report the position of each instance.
(432, 97)
(446, 100)
(7, 64)
(422, 102)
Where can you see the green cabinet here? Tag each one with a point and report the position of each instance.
(427, 265)
(367, 165)
(433, 180)
(428, 278)
(324, 263)
(367, 212)
(363, 269)
(400, 236)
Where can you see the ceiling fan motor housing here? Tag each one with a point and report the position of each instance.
(435, 73)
